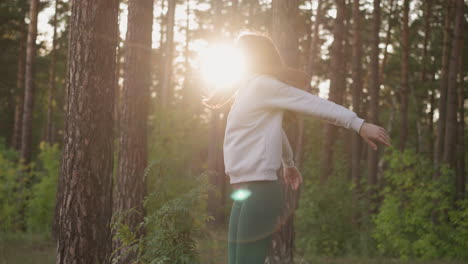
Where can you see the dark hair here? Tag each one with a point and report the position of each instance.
(262, 57)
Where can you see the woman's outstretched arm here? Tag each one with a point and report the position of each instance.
(277, 94)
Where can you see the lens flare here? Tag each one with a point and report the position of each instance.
(240, 194)
(221, 65)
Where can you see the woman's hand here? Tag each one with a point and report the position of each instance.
(292, 177)
(373, 134)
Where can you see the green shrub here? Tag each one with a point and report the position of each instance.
(42, 202)
(417, 218)
(14, 191)
(170, 226)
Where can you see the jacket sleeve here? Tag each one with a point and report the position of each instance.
(287, 156)
(277, 94)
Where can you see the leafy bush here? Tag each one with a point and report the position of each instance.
(27, 193)
(328, 223)
(14, 193)
(417, 218)
(331, 218)
(41, 205)
(169, 229)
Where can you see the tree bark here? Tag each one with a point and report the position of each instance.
(133, 154)
(460, 171)
(356, 93)
(16, 137)
(314, 50)
(404, 77)
(337, 86)
(217, 176)
(84, 196)
(285, 36)
(387, 39)
(48, 137)
(166, 92)
(26, 129)
(374, 87)
(439, 145)
(450, 142)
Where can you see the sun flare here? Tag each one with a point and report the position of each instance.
(221, 65)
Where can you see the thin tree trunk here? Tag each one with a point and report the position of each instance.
(439, 145)
(16, 137)
(431, 121)
(84, 196)
(387, 38)
(314, 50)
(374, 87)
(450, 142)
(217, 178)
(50, 96)
(356, 94)
(133, 154)
(26, 130)
(285, 36)
(404, 77)
(166, 92)
(337, 86)
(461, 177)
(186, 89)
(423, 146)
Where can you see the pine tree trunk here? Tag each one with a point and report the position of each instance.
(50, 96)
(130, 186)
(404, 77)
(314, 50)
(439, 144)
(387, 39)
(84, 197)
(166, 92)
(460, 171)
(337, 86)
(356, 94)
(450, 142)
(374, 88)
(26, 129)
(217, 176)
(16, 137)
(285, 36)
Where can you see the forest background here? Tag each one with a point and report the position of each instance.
(160, 187)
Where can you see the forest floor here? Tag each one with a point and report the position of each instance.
(31, 248)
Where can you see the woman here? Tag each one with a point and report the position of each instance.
(255, 145)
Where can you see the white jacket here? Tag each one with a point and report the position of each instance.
(254, 139)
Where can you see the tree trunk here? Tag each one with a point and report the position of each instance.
(217, 176)
(337, 85)
(84, 196)
(186, 100)
(387, 39)
(50, 96)
(16, 137)
(26, 129)
(439, 145)
(404, 77)
(450, 142)
(461, 177)
(133, 154)
(374, 87)
(166, 92)
(356, 94)
(285, 36)
(426, 147)
(314, 50)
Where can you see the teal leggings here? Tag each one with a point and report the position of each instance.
(254, 217)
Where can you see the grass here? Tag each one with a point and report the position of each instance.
(29, 248)
(26, 248)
